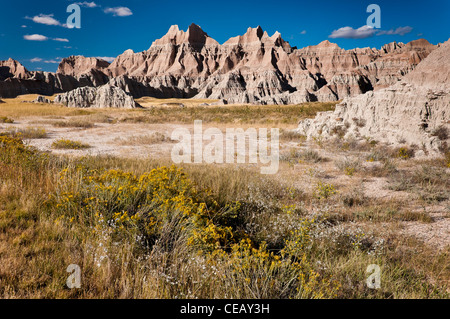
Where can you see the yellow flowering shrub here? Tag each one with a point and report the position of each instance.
(404, 153)
(324, 191)
(69, 144)
(10, 144)
(14, 154)
(4, 119)
(447, 159)
(262, 273)
(164, 205)
(147, 203)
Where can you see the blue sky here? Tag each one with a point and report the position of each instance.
(34, 32)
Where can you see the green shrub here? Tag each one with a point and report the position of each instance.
(324, 191)
(404, 153)
(6, 120)
(69, 144)
(349, 167)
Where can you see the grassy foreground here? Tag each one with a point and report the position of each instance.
(144, 229)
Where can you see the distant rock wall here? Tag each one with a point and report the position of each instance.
(251, 68)
(257, 68)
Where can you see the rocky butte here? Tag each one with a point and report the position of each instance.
(413, 111)
(250, 68)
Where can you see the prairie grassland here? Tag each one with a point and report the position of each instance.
(154, 138)
(237, 114)
(147, 101)
(143, 228)
(15, 108)
(172, 113)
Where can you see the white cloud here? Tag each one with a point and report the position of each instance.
(53, 61)
(399, 31)
(61, 39)
(45, 19)
(35, 37)
(23, 26)
(350, 33)
(303, 32)
(87, 4)
(106, 58)
(119, 11)
(366, 32)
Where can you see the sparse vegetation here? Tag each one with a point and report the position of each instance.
(291, 135)
(404, 153)
(26, 133)
(359, 122)
(324, 191)
(74, 123)
(430, 183)
(154, 138)
(447, 159)
(64, 144)
(296, 156)
(349, 166)
(441, 132)
(339, 130)
(6, 120)
(266, 114)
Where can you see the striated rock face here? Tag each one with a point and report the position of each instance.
(11, 68)
(250, 68)
(263, 69)
(105, 96)
(16, 80)
(87, 71)
(77, 65)
(408, 112)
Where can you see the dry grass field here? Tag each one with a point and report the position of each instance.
(140, 227)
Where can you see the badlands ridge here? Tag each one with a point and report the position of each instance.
(397, 94)
(252, 68)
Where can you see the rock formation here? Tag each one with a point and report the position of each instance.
(105, 96)
(40, 99)
(11, 68)
(16, 80)
(88, 71)
(251, 68)
(412, 111)
(258, 68)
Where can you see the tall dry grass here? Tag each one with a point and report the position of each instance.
(139, 230)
